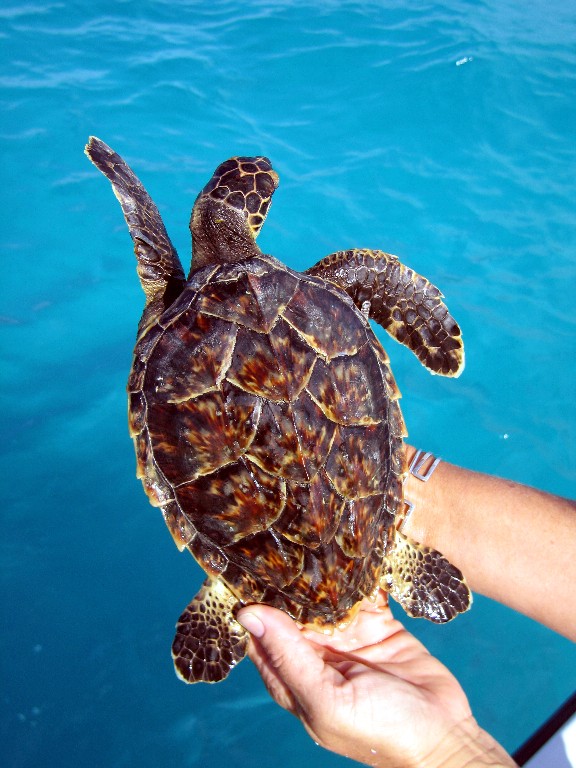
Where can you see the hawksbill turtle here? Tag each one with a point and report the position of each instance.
(266, 418)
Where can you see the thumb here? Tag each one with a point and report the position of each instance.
(290, 665)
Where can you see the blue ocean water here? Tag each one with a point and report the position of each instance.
(443, 132)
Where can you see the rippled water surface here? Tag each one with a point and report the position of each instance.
(443, 132)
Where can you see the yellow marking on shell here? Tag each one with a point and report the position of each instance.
(197, 393)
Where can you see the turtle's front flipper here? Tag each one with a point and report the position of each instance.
(424, 583)
(209, 641)
(159, 268)
(403, 302)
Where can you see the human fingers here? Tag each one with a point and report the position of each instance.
(292, 668)
(373, 624)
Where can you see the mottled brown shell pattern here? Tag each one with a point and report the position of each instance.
(267, 428)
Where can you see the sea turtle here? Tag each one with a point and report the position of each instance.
(266, 419)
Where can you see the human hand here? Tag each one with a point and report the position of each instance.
(371, 692)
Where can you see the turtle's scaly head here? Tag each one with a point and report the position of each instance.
(229, 212)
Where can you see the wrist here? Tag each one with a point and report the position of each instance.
(469, 746)
(423, 524)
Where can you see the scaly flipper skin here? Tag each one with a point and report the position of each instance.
(159, 268)
(209, 641)
(424, 583)
(403, 302)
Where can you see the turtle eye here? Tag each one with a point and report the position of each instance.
(255, 221)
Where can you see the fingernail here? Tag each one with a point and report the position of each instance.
(251, 622)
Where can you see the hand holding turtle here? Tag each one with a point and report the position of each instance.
(372, 692)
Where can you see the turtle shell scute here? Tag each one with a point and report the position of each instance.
(191, 358)
(292, 440)
(359, 531)
(210, 557)
(349, 389)
(182, 530)
(358, 462)
(233, 502)
(312, 513)
(205, 433)
(323, 320)
(249, 299)
(270, 558)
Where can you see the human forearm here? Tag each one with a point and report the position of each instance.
(514, 544)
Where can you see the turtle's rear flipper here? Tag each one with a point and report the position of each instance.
(403, 302)
(424, 583)
(209, 641)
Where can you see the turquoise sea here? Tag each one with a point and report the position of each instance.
(444, 132)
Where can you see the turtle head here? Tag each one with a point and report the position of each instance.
(229, 212)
